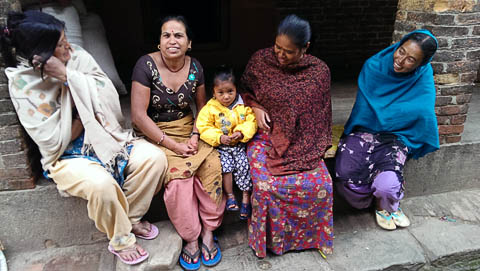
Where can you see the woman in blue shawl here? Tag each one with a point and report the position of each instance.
(393, 119)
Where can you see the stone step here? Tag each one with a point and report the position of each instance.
(444, 235)
(164, 251)
(39, 218)
(32, 220)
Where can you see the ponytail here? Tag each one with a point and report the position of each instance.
(6, 47)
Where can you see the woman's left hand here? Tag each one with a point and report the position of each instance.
(193, 142)
(53, 67)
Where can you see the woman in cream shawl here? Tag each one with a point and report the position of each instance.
(71, 110)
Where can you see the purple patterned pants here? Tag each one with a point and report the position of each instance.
(370, 166)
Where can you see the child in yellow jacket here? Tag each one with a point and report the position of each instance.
(227, 124)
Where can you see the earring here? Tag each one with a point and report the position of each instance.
(189, 49)
(158, 46)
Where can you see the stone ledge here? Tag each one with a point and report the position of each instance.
(164, 250)
(438, 239)
(43, 218)
(452, 167)
(18, 183)
(87, 257)
(39, 215)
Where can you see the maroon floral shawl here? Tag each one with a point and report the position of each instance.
(297, 99)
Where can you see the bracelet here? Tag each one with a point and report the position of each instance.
(194, 133)
(161, 138)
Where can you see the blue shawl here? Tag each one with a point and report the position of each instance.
(401, 104)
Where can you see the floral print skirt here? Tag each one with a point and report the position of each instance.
(290, 212)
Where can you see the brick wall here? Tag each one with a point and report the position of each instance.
(346, 32)
(456, 24)
(15, 172)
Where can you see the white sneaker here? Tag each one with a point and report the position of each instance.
(400, 219)
(385, 220)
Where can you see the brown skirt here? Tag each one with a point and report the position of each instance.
(205, 164)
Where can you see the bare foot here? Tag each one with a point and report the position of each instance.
(132, 253)
(142, 228)
(192, 248)
(207, 239)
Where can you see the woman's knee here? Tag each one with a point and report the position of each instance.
(145, 153)
(104, 188)
(386, 183)
(158, 157)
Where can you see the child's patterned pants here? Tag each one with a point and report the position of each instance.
(234, 159)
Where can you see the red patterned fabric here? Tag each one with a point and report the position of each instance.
(289, 212)
(297, 99)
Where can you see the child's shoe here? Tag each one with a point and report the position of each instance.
(232, 204)
(245, 211)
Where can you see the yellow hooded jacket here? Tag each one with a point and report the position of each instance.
(215, 120)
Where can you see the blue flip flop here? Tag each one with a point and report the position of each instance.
(189, 266)
(216, 259)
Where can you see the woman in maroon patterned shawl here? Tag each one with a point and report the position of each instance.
(289, 92)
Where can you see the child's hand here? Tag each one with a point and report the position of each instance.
(225, 139)
(237, 135)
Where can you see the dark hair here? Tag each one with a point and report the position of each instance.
(30, 33)
(223, 73)
(426, 43)
(180, 19)
(297, 29)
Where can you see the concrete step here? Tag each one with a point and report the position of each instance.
(38, 218)
(444, 235)
(32, 220)
(94, 257)
(164, 251)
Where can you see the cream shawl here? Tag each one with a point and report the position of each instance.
(44, 108)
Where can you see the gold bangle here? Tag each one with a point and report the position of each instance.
(161, 138)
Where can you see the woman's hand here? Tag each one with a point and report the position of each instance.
(184, 150)
(263, 119)
(193, 142)
(53, 67)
